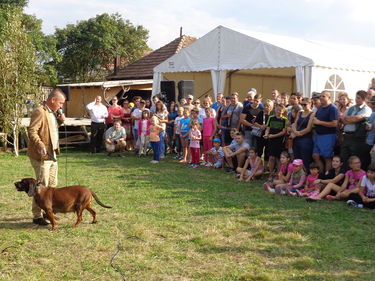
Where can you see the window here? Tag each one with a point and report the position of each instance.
(334, 85)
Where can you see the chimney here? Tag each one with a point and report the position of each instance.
(116, 65)
(181, 31)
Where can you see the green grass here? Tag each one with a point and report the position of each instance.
(171, 222)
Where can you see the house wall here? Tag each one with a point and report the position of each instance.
(81, 96)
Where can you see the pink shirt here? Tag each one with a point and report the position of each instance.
(354, 178)
(208, 126)
(195, 143)
(284, 170)
(310, 181)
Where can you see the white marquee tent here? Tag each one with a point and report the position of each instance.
(315, 63)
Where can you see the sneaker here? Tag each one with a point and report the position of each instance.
(40, 221)
(154, 162)
(176, 157)
(229, 170)
(208, 164)
(162, 156)
(120, 155)
(354, 204)
(195, 166)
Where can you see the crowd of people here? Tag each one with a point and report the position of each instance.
(314, 147)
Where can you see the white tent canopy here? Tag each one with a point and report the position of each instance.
(223, 49)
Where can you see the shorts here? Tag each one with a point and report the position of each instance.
(275, 147)
(186, 137)
(324, 145)
(249, 172)
(218, 164)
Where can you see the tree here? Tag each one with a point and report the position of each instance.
(46, 52)
(88, 48)
(17, 71)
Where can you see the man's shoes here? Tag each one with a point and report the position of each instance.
(120, 155)
(109, 154)
(40, 221)
(47, 218)
(354, 204)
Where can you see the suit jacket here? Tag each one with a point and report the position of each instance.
(39, 134)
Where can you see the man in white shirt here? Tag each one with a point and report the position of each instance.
(98, 113)
(355, 119)
(115, 139)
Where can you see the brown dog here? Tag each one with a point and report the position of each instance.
(67, 199)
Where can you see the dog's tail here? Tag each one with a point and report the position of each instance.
(98, 201)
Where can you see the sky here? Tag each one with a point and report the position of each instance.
(341, 21)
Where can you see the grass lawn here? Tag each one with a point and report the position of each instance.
(171, 222)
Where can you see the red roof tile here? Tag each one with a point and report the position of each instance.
(143, 68)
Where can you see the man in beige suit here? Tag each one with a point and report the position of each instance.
(43, 144)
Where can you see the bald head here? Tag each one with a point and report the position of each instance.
(56, 93)
(55, 100)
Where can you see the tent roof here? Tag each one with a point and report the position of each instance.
(109, 84)
(226, 49)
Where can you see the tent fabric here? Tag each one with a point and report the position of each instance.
(218, 81)
(226, 49)
(303, 79)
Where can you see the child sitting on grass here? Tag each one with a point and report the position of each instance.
(334, 175)
(350, 185)
(253, 167)
(297, 179)
(365, 198)
(284, 173)
(310, 189)
(215, 155)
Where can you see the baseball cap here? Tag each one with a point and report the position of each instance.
(216, 140)
(315, 95)
(190, 97)
(297, 162)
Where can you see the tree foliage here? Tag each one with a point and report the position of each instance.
(88, 48)
(46, 52)
(17, 70)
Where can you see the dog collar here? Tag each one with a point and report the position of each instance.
(33, 190)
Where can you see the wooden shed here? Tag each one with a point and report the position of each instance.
(80, 94)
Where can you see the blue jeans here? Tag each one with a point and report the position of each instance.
(302, 149)
(156, 148)
(135, 134)
(162, 142)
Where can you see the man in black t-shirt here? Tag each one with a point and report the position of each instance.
(247, 118)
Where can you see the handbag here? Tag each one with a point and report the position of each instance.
(256, 131)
